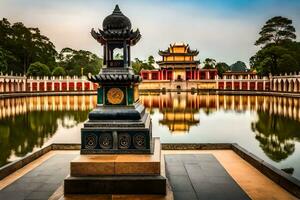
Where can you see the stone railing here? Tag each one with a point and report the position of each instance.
(18, 83)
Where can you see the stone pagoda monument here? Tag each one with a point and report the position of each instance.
(118, 153)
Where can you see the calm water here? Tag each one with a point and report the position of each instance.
(268, 127)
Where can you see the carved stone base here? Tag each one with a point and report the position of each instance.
(110, 131)
(117, 174)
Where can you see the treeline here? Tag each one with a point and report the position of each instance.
(25, 50)
(210, 63)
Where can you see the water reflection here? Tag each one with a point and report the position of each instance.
(276, 125)
(266, 126)
(276, 135)
(27, 123)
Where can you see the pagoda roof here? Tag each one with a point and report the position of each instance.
(102, 36)
(100, 78)
(177, 62)
(187, 50)
(116, 27)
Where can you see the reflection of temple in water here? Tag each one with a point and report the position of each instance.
(15, 106)
(177, 114)
(179, 110)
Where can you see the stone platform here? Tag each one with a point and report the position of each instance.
(118, 164)
(117, 174)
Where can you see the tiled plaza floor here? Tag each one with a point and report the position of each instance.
(201, 177)
(41, 182)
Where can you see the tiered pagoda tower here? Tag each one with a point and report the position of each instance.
(118, 127)
(119, 124)
(178, 62)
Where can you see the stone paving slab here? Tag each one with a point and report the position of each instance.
(41, 182)
(201, 176)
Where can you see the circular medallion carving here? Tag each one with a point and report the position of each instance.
(139, 141)
(124, 141)
(115, 96)
(106, 141)
(90, 141)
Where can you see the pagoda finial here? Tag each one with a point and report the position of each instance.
(117, 9)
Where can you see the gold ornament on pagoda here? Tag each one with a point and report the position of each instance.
(115, 96)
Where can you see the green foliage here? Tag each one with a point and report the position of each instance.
(238, 66)
(79, 62)
(138, 65)
(276, 30)
(209, 63)
(276, 59)
(222, 67)
(27, 45)
(38, 69)
(58, 71)
(280, 54)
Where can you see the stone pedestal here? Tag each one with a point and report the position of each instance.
(117, 174)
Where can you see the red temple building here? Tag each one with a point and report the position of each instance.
(179, 64)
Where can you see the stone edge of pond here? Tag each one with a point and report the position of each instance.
(286, 181)
(45, 93)
(227, 92)
(218, 92)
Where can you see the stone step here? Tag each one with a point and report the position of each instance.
(115, 185)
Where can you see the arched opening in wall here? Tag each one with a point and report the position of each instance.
(292, 86)
(11, 86)
(276, 86)
(281, 85)
(1, 87)
(287, 86)
(296, 86)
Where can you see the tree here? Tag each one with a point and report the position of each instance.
(27, 45)
(276, 59)
(238, 66)
(75, 62)
(209, 63)
(151, 60)
(222, 67)
(276, 30)
(5, 58)
(138, 65)
(58, 71)
(38, 69)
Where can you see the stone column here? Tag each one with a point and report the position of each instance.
(68, 82)
(83, 84)
(45, 84)
(52, 84)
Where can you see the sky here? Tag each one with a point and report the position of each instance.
(219, 29)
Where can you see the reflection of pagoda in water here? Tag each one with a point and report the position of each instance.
(177, 109)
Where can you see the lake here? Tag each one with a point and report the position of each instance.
(267, 126)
